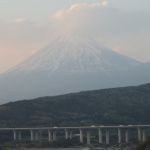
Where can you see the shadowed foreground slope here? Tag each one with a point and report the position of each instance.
(129, 105)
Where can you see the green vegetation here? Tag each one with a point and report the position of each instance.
(129, 105)
(116, 106)
(61, 142)
(144, 145)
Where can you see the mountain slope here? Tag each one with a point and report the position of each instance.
(129, 105)
(66, 65)
(74, 54)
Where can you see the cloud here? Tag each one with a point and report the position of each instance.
(18, 20)
(97, 20)
(76, 19)
(119, 30)
(109, 25)
(105, 3)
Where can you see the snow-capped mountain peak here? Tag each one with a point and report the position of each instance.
(70, 64)
(76, 54)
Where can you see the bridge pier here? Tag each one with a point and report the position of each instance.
(32, 135)
(19, 135)
(71, 134)
(127, 135)
(100, 135)
(66, 134)
(88, 137)
(49, 135)
(143, 135)
(81, 135)
(119, 135)
(15, 135)
(36, 135)
(54, 135)
(139, 134)
(107, 136)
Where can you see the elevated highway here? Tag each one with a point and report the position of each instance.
(35, 132)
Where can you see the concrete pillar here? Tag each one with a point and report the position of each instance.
(88, 137)
(19, 135)
(49, 136)
(66, 134)
(143, 135)
(107, 136)
(139, 134)
(54, 135)
(36, 135)
(32, 135)
(100, 135)
(127, 135)
(71, 134)
(119, 135)
(15, 135)
(81, 135)
(40, 136)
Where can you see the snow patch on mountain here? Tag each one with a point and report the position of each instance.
(76, 54)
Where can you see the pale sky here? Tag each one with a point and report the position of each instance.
(26, 26)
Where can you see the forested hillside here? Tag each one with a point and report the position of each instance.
(129, 105)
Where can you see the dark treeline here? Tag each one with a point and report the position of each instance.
(116, 106)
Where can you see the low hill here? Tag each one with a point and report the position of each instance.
(128, 105)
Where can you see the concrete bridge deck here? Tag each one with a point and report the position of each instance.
(80, 127)
(36, 131)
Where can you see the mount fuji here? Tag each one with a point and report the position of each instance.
(70, 64)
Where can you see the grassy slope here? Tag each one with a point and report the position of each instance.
(129, 105)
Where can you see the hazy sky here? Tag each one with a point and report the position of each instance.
(28, 25)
